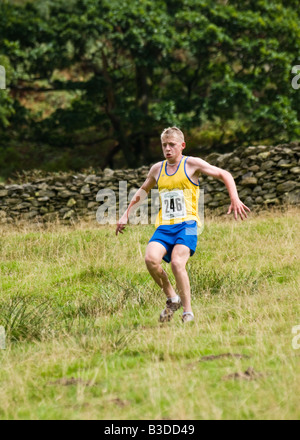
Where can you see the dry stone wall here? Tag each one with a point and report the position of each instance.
(265, 176)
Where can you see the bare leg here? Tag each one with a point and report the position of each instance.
(179, 258)
(154, 254)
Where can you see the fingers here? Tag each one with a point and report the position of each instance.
(239, 211)
(120, 228)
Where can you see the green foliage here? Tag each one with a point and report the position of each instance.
(131, 68)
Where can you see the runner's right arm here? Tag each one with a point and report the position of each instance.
(139, 196)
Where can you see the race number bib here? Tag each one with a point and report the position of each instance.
(173, 205)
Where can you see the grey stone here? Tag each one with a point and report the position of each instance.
(64, 194)
(245, 192)
(270, 195)
(22, 206)
(248, 174)
(81, 204)
(207, 198)
(235, 161)
(286, 186)
(92, 179)
(268, 185)
(14, 188)
(64, 210)
(250, 150)
(34, 202)
(108, 172)
(213, 204)
(219, 196)
(92, 205)
(29, 188)
(223, 160)
(42, 186)
(292, 197)
(286, 164)
(30, 214)
(50, 216)
(254, 168)
(71, 202)
(267, 165)
(13, 201)
(249, 181)
(212, 158)
(45, 193)
(264, 155)
(274, 201)
(260, 174)
(248, 201)
(253, 158)
(85, 190)
(69, 214)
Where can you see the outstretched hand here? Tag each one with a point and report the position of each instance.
(238, 208)
(121, 225)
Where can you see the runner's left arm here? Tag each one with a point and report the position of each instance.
(236, 205)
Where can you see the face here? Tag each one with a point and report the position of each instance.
(172, 147)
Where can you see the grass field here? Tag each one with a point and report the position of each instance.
(83, 339)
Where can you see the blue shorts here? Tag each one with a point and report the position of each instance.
(180, 233)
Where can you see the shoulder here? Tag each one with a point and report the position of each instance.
(155, 170)
(191, 160)
(156, 166)
(194, 163)
(152, 176)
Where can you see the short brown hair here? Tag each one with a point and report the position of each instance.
(172, 131)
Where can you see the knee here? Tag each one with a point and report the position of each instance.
(151, 262)
(177, 265)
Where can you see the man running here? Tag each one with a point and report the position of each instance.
(175, 238)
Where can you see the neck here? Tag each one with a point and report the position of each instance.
(176, 162)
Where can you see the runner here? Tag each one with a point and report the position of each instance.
(175, 238)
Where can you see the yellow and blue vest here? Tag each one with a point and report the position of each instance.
(179, 196)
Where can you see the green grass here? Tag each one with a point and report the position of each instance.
(83, 339)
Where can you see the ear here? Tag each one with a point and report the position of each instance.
(183, 145)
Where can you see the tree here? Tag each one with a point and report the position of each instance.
(131, 68)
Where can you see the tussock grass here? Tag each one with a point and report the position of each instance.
(83, 339)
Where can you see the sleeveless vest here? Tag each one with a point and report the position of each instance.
(178, 195)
